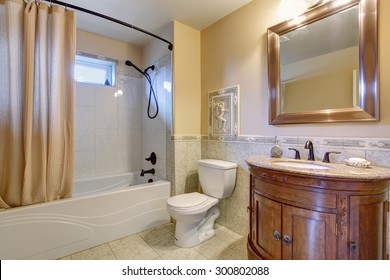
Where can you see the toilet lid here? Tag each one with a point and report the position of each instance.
(187, 200)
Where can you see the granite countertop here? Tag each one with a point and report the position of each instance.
(334, 170)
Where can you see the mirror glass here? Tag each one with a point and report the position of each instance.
(319, 66)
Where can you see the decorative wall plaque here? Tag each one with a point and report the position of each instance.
(223, 114)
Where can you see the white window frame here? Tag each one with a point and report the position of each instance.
(97, 62)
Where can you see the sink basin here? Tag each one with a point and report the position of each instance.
(302, 165)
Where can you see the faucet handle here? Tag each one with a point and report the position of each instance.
(152, 158)
(326, 156)
(297, 154)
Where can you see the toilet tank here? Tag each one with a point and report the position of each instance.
(217, 177)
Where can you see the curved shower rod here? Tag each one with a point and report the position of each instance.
(170, 45)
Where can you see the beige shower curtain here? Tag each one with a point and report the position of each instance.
(37, 52)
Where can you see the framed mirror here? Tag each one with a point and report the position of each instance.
(323, 65)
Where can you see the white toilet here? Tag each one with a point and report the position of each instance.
(195, 213)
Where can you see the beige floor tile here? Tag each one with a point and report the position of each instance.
(158, 243)
(154, 233)
(170, 227)
(238, 252)
(223, 240)
(139, 251)
(101, 252)
(183, 254)
(125, 242)
(163, 244)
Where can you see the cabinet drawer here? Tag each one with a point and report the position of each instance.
(295, 196)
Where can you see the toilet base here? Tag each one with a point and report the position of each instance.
(191, 234)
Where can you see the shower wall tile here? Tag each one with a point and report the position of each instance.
(85, 119)
(129, 119)
(129, 139)
(84, 95)
(129, 160)
(131, 98)
(107, 133)
(107, 153)
(157, 144)
(106, 107)
(84, 130)
(107, 161)
(113, 133)
(84, 164)
(106, 139)
(156, 132)
(84, 142)
(160, 137)
(129, 148)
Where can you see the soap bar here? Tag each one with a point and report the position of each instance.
(357, 162)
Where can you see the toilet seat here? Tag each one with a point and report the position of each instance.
(187, 200)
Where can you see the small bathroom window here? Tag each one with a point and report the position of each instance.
(96, 70)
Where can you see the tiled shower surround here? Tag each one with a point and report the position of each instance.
(234, 214)
(113, 133)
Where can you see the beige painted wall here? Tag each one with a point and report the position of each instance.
(187, 86)
(157, 49)
(99, 45)
(234, 52)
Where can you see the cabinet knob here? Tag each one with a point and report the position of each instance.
(287, 240)
(277, 235)
(353, 246)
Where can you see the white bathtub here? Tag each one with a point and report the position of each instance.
(101, 209)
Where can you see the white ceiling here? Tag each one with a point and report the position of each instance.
(151, 15)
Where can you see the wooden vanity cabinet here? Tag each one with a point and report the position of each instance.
(300, 217)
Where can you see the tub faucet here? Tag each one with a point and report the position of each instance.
(151, 171)
(309, 145)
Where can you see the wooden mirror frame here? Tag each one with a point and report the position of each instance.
(368, 66)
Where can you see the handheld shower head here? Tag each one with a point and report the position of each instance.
(151, 91)
(131, 64)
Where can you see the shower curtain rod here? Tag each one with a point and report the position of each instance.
(170, 45)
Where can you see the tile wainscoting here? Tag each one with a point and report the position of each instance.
(188, 149)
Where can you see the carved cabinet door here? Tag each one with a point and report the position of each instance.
(267, 231)
(308, 235)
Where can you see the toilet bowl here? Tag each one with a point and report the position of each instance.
(195, 213)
